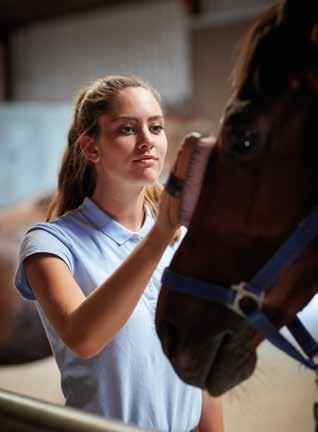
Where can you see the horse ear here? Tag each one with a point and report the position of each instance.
(300, 17)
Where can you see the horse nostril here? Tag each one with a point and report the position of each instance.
(168, 336)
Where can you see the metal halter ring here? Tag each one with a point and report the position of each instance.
(245, 302)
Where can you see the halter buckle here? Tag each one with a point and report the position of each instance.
(245, 302)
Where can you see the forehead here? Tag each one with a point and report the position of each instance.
(137, 102)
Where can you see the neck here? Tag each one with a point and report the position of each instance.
(124, 205)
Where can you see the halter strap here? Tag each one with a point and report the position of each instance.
(303, 337)
(246, 298)
(257, 319)
(306, 232)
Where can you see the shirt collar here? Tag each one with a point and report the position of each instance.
(117, 232)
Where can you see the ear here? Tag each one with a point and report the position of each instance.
(89, 148)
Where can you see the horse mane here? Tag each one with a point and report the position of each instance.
(248, 46)
(275, 56)
(271, 50)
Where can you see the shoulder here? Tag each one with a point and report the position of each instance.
(53, 237)
(50, 238)
(60, 228)
(44, 233)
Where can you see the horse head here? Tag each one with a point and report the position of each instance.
(261, 181)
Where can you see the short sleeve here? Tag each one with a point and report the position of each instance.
(41, 239)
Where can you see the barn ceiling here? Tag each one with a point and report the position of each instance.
(17, 13)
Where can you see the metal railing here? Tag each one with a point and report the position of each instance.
(25, 414)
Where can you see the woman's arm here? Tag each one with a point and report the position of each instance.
(86, 325)
(211, 419)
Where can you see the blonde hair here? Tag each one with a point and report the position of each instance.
(77, 178)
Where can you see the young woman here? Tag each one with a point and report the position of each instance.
(94, 269)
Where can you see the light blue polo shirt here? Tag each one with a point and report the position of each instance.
(130, 379)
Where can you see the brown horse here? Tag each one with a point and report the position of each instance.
(260, 182)
(22, 337)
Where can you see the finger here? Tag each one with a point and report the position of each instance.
(187, 175)
(178, 173)
(198, 154)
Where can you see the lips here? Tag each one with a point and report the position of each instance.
(146, 159)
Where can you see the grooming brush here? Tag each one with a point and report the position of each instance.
(186, 178)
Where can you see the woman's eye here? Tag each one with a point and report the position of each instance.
(156, 129)
(126, 130)
(242, 143)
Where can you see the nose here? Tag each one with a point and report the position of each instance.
(145, 140)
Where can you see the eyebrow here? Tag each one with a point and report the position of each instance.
(156, 117)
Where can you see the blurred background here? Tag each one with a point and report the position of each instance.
(48, 51)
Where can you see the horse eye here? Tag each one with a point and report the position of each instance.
(242, 144)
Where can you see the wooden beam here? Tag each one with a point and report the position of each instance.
(6, 86)
(2, 73)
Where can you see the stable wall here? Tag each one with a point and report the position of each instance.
(213, 52)
(50, 61)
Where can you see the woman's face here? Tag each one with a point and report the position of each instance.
(132, 142)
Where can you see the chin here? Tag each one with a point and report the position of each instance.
(146, 180)
(222, 379)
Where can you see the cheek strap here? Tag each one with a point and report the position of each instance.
(186, 177)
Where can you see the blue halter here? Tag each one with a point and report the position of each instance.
(246, 298)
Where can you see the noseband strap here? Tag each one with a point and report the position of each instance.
(246, 298)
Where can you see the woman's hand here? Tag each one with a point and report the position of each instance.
(168, 215)
(182, 190)
(169, 209)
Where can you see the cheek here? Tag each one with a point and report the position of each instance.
(117, 149)
(163, 146)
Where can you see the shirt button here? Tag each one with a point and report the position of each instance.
(151, 286)
(135, 238)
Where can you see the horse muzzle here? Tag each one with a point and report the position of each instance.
(215, 362)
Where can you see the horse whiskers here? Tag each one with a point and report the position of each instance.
(238, 393)
(259, 375)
